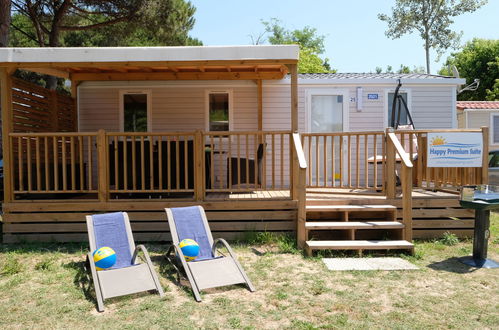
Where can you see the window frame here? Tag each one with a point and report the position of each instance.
(491, 132)
(229, 92)
(122, 94)
(309, 93)
(407, 91)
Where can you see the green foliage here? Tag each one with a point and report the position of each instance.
(432, 19)
(402, 69)
(493, 94)
(11, 265)
(449, 239)
(311, 45)
(478, 59)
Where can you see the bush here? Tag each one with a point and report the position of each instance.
(449, 239)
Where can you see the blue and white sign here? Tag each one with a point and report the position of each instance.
(372, 96)
(455, 149)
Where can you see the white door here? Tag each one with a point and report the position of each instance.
(327, 114)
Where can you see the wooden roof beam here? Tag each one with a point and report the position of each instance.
(177, 76)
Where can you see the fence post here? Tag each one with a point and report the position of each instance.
(406, 181)
(7, 128)
(390, 166)
(485, 165)
(102, 169)
(199, 175)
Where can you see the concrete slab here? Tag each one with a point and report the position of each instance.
(368, 264)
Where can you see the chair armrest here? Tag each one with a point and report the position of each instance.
(225, 244)
(139, 248)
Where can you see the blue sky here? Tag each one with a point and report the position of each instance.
(355, 39)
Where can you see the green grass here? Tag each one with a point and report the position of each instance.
(43, 286)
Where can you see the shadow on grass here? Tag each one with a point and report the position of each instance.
(82, 279)
(452, 265)
(44, 247)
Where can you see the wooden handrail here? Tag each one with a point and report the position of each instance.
(395, 147)
(404, 156)
(299, 151)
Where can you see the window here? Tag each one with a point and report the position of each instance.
(218, 111)
(135, 115)
(495, 128)
(403, 115)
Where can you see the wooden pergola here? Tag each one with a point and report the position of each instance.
(256, 63)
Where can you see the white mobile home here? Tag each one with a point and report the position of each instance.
(476, 114)
(235, 129)
(326, 102)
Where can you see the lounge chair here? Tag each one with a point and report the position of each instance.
(209, 270)
(126, 276)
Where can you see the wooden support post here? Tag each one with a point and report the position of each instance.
(7, 128)
(102, 159)
(485, 162)
(301, 232)
(407, 201)
(260, 104)
(301, 165)
(390, 166)
(293, 68)
(199, 173)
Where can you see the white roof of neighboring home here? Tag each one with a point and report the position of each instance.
(146, 54)
(375, 78)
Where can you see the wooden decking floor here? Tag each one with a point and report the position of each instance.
(260, 194)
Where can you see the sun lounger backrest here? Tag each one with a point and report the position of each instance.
(190, 222)
(112, 230)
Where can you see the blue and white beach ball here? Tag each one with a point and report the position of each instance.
(190, 249)
(104, 258)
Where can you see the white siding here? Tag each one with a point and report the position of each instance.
(432, 107)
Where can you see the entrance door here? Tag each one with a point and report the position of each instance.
(327, 114)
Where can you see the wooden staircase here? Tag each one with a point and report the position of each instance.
(354, 227)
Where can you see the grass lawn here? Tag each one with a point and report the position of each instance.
(41, 287)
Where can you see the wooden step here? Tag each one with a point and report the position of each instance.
(358, 245)
(340, 208)
(332, 225)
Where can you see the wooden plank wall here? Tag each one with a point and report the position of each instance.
(37, 109)
(65, 222)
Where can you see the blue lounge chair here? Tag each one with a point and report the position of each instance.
(126, 276)
(209, 270)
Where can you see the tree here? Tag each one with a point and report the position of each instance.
(402, 69)
(493, 95)
(311, 45)
(431, 19)
(4, 22)
(478, 59)
(102, 23)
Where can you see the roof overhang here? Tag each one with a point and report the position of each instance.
(378, 81)
(155, 63)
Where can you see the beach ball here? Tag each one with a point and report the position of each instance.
(190, 249)
(104, 258)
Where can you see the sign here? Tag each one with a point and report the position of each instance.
(372, 96)
(463, 149)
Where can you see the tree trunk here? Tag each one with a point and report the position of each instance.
(427, 50)
(4, 22)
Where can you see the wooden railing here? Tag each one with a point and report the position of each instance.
(435, 178)
(394, 152)
(151, 162)
(247, 161)
(53, 163)
(108, 165)
(345, 160)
